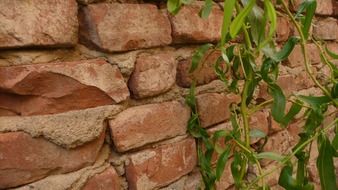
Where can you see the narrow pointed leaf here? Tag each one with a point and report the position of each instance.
(227, 15)
(238, 22)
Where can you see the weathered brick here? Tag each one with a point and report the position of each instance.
(324, 7)
(148, 123)
(30, 23)
(259, 121)
(121, 27)
(283, 29)
(326, 29)
(214, 108)
(157, 167)
(189, 27)
(25, 159)
(153, 75)
(296, 57)
(107, 180)
(202, 75)
(59, 87)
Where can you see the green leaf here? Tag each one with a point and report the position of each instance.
(315, 101)
(325, 166)
(272, 17)
(286, 50)
(173, 6)
(227, 15)
(256, 133)
(198, 55)
(279, 102)
(237, 167)
(310, 7)
(334, 91)
(206, 10)
(271, 156)
(331, 53)
(335, 142)
(221, 162)
(257, 22)
(294, 110)
(286, 180)
(238, 22)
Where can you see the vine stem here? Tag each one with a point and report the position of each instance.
(305, 53)
(299, 148)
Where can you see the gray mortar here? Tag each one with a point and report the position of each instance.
(69, 129)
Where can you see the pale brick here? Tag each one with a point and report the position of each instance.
(25, 159)
(326, 29)
(204, 74)
(59, 87)
(145, 124)
(214, 108)
(42, 23)
(153, 75)
(157, 167)
(189, 27)
(121, 27)
(107, 180)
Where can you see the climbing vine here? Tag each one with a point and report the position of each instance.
(243, 67)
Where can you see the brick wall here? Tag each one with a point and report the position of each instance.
(92, 94)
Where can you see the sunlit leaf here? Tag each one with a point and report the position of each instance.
(238, 22)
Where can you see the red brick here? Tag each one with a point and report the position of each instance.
(283, 29)
(157, 167)
(189, 27)
(202, 75)
(38, 23)
(324, 7)
(107, 180)
(326, 29)
(214, 108)
(145, 124)
(153, 75)
(259, 121)
(25, 159)
(121, 27)
(59, 87)
(296, 57)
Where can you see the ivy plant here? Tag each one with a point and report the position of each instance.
(243, 67)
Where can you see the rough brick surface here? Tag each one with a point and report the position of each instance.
(153, 75)
(214, 108)
(283, 29)
(202, 75)
(58, 87)
(189, 27)
(38, 23)
(326, 29)
(296, 57)
(324, 7)
(25, 159)
(157, 167)
(122, 27)
(148, 123)
(107, 180)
